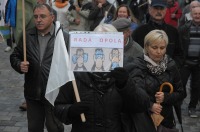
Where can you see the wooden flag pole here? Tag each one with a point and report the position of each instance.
(148, 2)
(78, 98)
(24, 31)
(143, 4)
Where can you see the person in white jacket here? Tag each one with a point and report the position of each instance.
(61, 7)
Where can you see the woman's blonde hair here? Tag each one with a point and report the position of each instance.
(154, 36)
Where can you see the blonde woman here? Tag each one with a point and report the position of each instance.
(149, 72)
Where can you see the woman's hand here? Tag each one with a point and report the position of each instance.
(159, 97)
(156, 108)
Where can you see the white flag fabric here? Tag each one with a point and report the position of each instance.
(104, 18)
(60, 72)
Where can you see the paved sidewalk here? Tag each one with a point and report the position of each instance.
(12, 119)
(11, 89)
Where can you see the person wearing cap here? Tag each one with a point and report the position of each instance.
(157, 11)
(131, 48)
(132, 121)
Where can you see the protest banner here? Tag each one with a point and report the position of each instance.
(96, 51)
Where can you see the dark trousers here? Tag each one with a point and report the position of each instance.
(40, 113)
(192, 70)
(11, 40)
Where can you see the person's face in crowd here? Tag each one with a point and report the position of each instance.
(126, 34)
(194, 4)
(195, 14)
(157, 50)
(122, 12)
(157, 13)
(43, 19)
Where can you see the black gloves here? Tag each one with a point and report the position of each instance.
(121, 76)
(77, 109)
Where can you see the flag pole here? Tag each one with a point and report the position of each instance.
(78, 98)
(106, 12)
(24, 31)
(147, 2)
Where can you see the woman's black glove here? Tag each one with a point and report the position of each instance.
(121, 76)
(77, 109)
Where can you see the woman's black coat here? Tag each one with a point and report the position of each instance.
(105, 104)
(151, 83)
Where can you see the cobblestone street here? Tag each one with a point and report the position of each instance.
(11, 89)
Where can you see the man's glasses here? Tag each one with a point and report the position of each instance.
(42, 16)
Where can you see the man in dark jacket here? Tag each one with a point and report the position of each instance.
(157, 11)
(190, 36)
(36, 67)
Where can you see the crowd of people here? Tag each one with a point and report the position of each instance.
(161, 44)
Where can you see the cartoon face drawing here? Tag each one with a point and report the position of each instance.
(79, 55)
(79, 59)
(114, 58)
(99, 58)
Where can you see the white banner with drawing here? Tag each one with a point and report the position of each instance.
(96, 51)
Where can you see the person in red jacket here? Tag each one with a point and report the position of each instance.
(173, 13)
